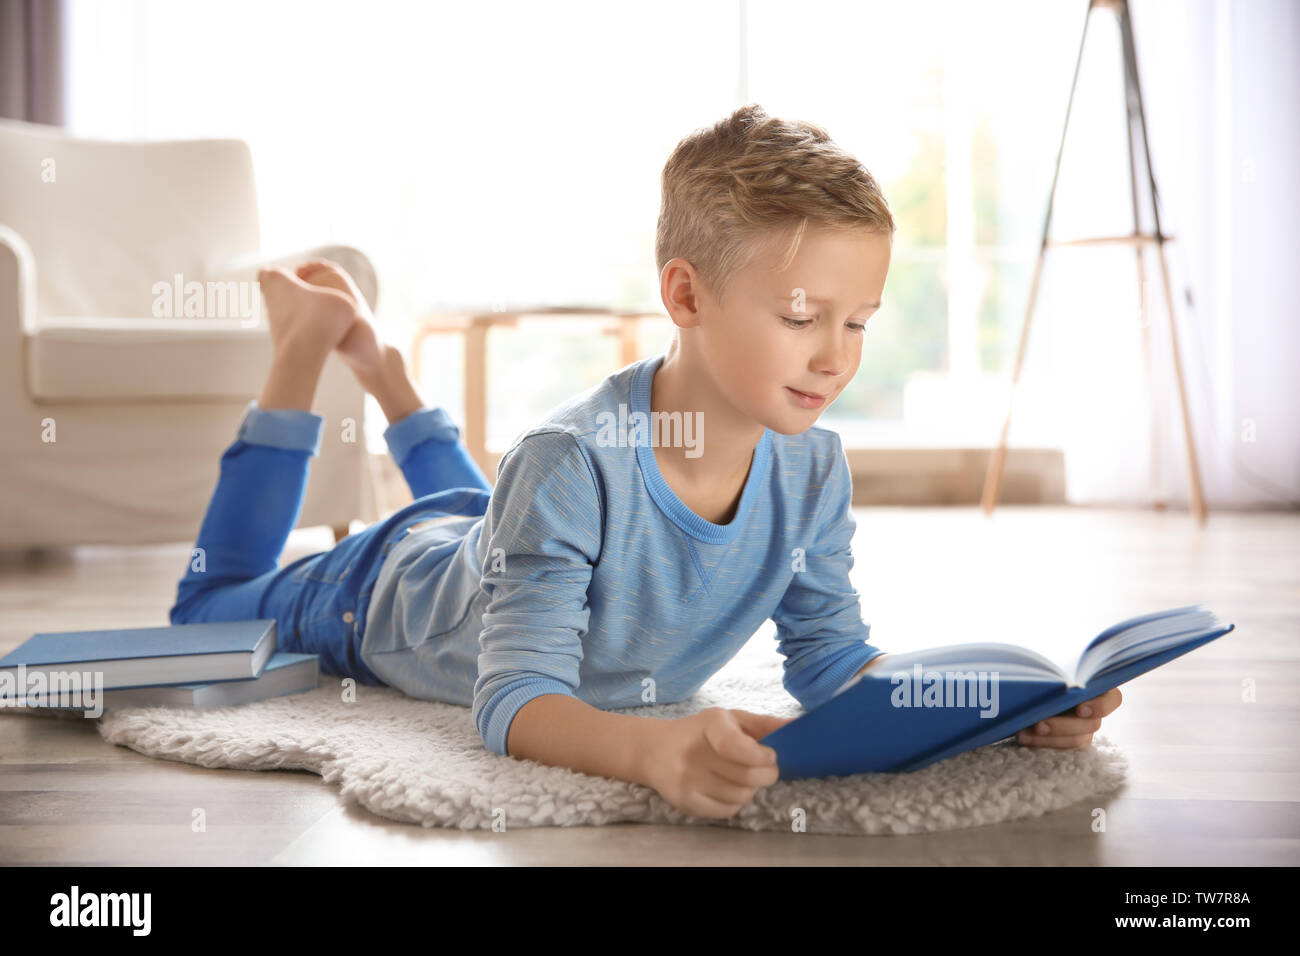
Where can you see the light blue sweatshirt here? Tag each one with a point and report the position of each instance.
(587, 576)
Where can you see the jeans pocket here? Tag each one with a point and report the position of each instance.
(325, 625)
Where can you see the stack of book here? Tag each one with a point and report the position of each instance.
(187, 665)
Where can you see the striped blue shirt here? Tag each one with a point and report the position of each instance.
(587, 575)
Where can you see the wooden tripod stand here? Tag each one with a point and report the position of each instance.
(1137, 126)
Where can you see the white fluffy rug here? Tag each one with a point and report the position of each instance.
(423, 762)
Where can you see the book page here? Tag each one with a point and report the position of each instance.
(1045, 623)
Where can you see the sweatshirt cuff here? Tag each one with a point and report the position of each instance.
(289, 428)
(844, 670)
(499, 714)
(421, 425)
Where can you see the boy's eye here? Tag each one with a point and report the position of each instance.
(801, 323)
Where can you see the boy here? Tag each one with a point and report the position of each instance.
(610, 566)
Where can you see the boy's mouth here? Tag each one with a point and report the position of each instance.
(806, 399)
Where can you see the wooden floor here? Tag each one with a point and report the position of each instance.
(1215, 778)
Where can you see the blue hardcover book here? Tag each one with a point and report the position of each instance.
(920, 707)
(285, 673)
(140, 657)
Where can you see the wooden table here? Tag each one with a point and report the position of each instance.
(475, 327)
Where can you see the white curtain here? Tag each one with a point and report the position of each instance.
(1221, 84)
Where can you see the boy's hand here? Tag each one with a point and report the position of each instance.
(710, 764)
(1074, 728)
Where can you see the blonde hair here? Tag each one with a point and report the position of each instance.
(752, 182)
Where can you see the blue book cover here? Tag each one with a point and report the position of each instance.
(285, 673)
(141, 657)
(921, 707)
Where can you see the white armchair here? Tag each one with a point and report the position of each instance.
(121, 380)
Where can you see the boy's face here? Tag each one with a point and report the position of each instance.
(796, 330)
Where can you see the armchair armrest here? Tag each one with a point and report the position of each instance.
(17, 283)
(17, 311)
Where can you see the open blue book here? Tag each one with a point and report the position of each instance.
(140, 657)
(920, 707)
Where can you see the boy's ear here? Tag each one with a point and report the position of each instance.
(679, 287)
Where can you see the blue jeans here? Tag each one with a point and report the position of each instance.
(318, 602)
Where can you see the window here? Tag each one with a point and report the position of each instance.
(512, 153)
(957, 109)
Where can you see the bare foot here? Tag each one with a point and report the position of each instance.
(303, 316)
(379, 367)
(323, 272)
(360, 347)
(306, 323)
